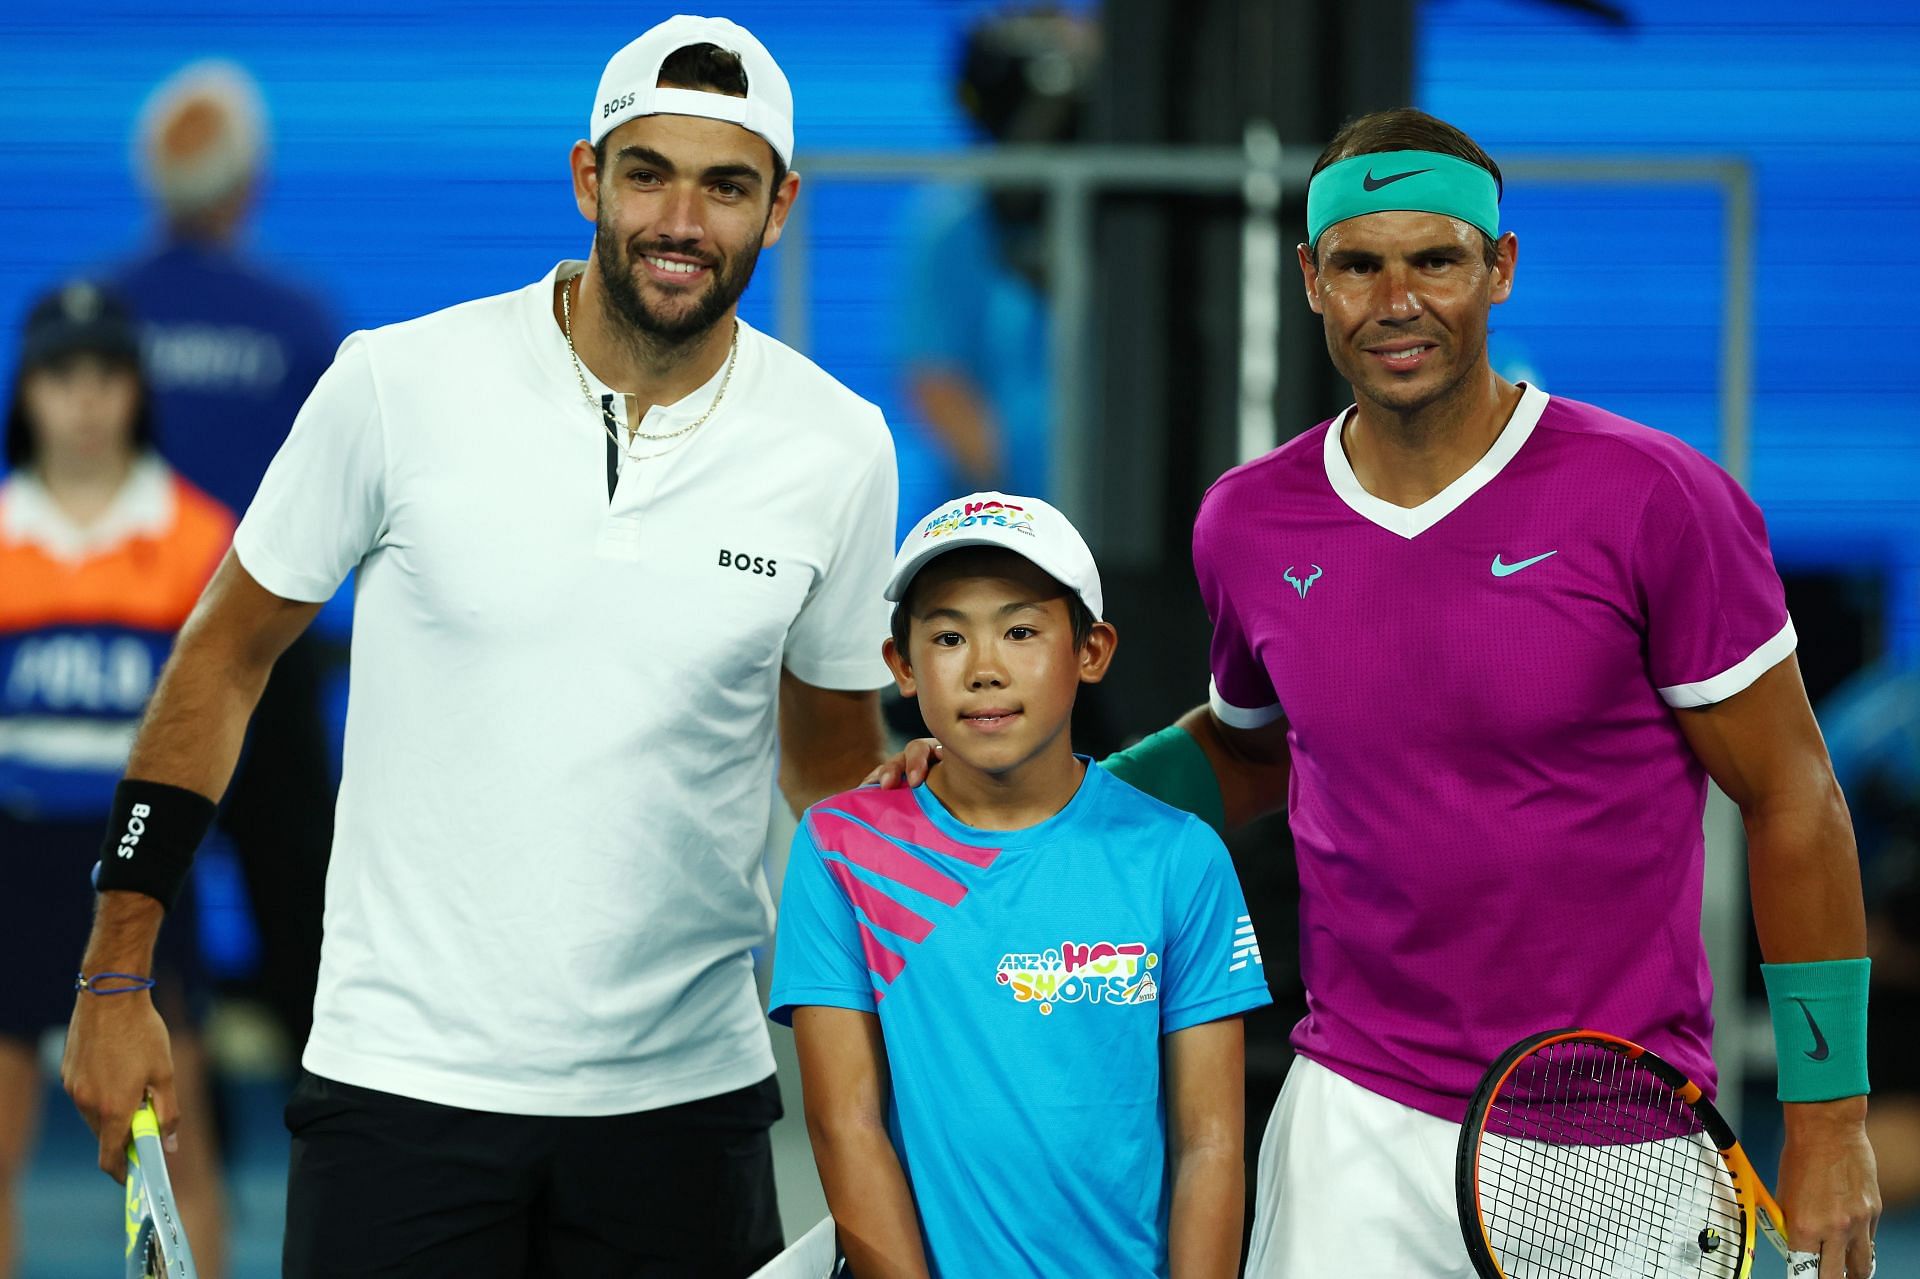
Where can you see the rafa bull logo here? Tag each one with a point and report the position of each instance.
(1299, 585)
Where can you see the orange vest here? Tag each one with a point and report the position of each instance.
(87, 616)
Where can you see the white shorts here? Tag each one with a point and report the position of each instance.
(1355, 1185)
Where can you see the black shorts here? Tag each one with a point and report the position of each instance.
(380, 1185)
(44, 869)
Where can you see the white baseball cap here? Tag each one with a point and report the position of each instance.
(629, 87)
(1024, 525)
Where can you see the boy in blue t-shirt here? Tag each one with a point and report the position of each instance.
(1016, 989)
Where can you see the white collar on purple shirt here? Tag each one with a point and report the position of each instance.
(1411, 521)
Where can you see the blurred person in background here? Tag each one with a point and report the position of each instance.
(103, 550)
(231, 352)
(976, 345)
(974, 323)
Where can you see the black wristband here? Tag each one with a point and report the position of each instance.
(151, 839)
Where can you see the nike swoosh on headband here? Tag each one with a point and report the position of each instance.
(1372, 183)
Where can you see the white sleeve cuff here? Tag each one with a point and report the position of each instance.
(276, 577)
(1239, 716)
(1718, 688)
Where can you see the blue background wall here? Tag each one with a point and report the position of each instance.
(1618, 292)
(420, 154)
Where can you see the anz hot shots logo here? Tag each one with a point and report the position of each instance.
(973, 514)
(1101, 973)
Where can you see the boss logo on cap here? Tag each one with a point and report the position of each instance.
(620, 103)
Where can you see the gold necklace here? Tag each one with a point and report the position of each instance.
(586, 393)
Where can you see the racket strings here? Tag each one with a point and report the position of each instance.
(1591, 1165)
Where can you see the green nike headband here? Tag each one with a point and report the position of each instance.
(1421, 181)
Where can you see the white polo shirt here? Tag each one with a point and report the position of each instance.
(561, 731)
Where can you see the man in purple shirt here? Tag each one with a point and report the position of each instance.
(1504, 640)
(1488, 646)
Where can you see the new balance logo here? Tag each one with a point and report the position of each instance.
(1246, 947)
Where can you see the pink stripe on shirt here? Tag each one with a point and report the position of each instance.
(877, 906)
(895, 813)
(833, 832)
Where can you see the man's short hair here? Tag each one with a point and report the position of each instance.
(1409, 129)
(711, 69)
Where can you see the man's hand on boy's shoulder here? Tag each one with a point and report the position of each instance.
(1250, 767)
(909, 768)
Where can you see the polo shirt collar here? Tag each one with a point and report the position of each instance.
(550, 348)
(1411, 521)
(142, 508)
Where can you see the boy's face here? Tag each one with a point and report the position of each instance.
(991, 658)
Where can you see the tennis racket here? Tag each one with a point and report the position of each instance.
(156, 1239)
(1584, 1154)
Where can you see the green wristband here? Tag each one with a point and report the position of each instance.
(1171, 767)
(1819, 1027)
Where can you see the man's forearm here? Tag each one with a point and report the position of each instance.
(1807, 907)
(830, 739)
(872, 1207)
(124, 928)
(195, 724)
(1209, 1198)
(1252, 783)
(1805, 873)
(805, 785)
(190, 738)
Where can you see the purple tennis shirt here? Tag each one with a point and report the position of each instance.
(1498, 821)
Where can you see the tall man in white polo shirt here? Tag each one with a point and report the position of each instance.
(607, 537)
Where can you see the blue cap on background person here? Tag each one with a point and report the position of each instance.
(79, 316)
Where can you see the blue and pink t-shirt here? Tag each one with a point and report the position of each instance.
(1497, 819)
(1023, 981)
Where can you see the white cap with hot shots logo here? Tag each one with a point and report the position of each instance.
(629, 87)
(1024, 525)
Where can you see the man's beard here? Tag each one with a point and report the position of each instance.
(645, 325)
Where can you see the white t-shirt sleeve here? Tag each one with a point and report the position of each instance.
(322, 504)
(835, 640)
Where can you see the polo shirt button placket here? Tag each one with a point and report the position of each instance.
(620, 532)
